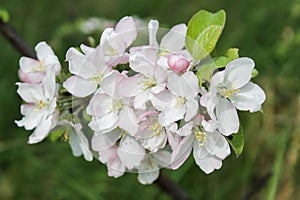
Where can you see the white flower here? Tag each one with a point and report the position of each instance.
(149, 168)
(109, 109)
(115, 41)
(179, 101)
(32, 70)
(151, 79)
(39, 110)
(78, 141)
(209, 146)
(89, 69)
(231, 89)
(152, 134)
(130, 152)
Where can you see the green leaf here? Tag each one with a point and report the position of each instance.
(199, 76)
(4, 15)
(206, 70)
(236, 141)
(204, 30)
(232, 53)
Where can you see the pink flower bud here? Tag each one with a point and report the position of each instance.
(177, 63)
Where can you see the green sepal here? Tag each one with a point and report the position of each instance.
(236, 141)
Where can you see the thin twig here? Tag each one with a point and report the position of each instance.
(170, 187)
(16, 40)
(166, 184)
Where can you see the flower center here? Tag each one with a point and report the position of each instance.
(97, 77)
(201, 137)
(180, 101)
(149, 82)
(41, 67)
(117, 105)
(42, 104)
(155, 128)
(226, 93)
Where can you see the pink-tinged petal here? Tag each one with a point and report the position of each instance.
(182, 152)
(141, 99)
(227, 117)
(174, 40)
(86, 49)
(171, 114)
(79, 144)
(81, 65)
(49, 85)
(163, 100)
(115, 168)
(127, 28)
(209, 126)
(105, 123)
(153, 141)
(185, 85)
(28, 64)
(80, 87)
(191, 109)
(238, 73)
(43, 50)
(152, 29)
(31, 77)
(250, 97)
(99, 105)
(158, 88)
(102, 142)
(143, 61)
(173, 138)
(207, 162)
(131, 153)
(217, 145)
(209, 100)
(110, 83)
(41, 131)
(216, 79)
(108, 155)
(115, 60)
(178, 64)
(148, 172)
(106, 35)
(30, 93)
(186, 129)
(131, 86)
(160, 75)
(32, 119)
(162, 158)
(128, 121)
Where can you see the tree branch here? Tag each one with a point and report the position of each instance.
(170, 187)
(16, 40)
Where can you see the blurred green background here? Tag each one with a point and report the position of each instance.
(267, 31)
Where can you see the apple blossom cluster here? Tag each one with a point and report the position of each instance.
(137, 108)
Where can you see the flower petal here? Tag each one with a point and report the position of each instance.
(148, 172)
(101, 141)
(174, 40)
(191, 109)
(127, 28)
(80, 87)
(128, 121)
(152, 29)
(182, 152)
(207, 162)
(30, 93)
(238, 73)
(227, 117)
(250, 97)
(131, 153)
(41, 131)
(105, 123)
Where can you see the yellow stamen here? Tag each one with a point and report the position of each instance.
(155, 128)
(180, 101)
(117, 105)
(201, 137)
(229, 93)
